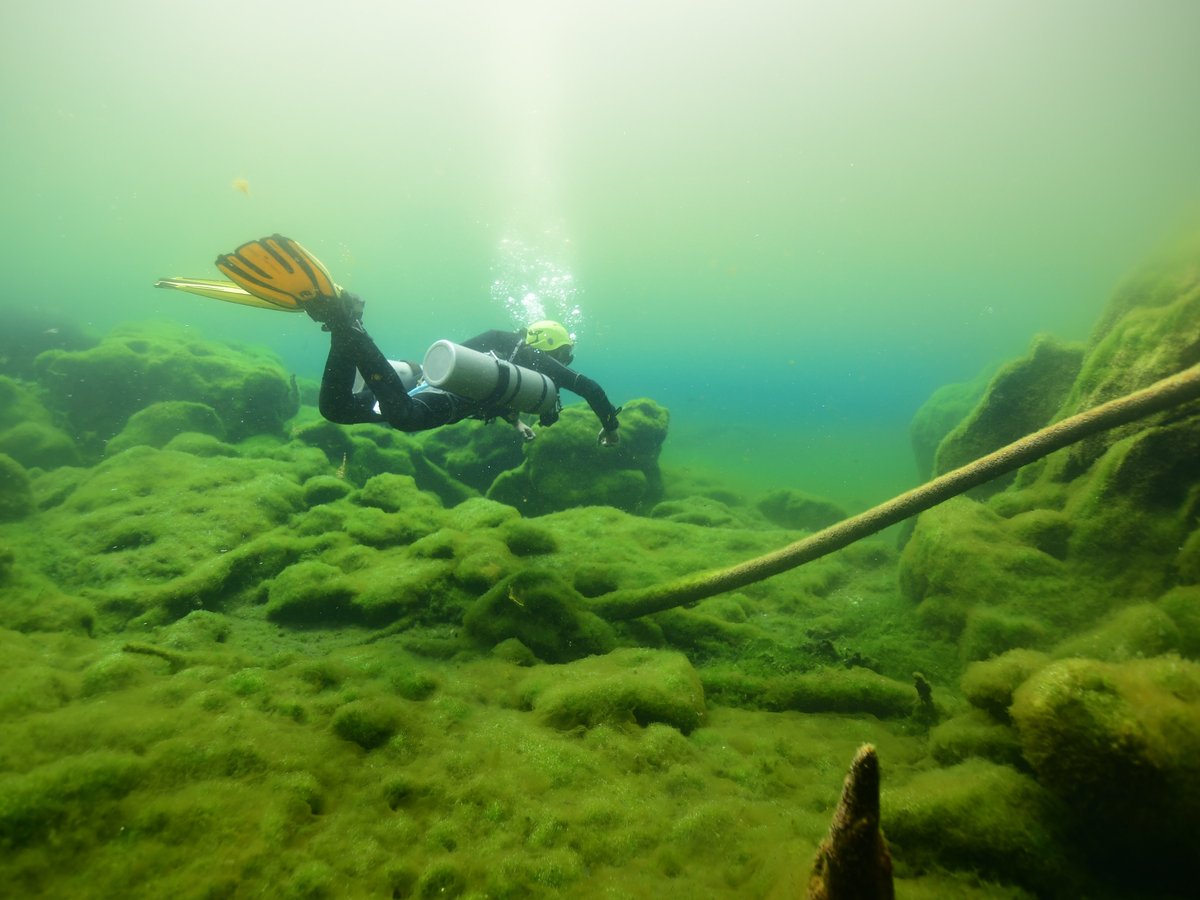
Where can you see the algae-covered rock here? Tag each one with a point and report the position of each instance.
(398, 587)
(789, 508)
(1136, 506)
(147, 517)
(310, 593)
(940, 414)
(565, 467)
(1182, 604)
(974, 735)
(962, 557)
(1135, 632)
(16, 492)
(1150, 329)
(197, 630)
(64, 794)
(1022, 397)
(1048, 530)
(829, 690)
(849, 690)
(158, 423)
(990, 685)
(368, 723)
(528, 539)
(32, 328)
(989, 632)
(981, 817)
(1118, 743)
(39, 445)
(325, 489)
(624, 687)
(99, 388)
(703, 511)
(542, 611)
(395, 493)
(332, 439)
(472, 452)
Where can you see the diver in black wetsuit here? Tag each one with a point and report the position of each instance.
(544, 347)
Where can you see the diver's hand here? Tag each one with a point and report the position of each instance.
(527, 433)
(608, 436)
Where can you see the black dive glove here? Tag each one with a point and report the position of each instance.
(608, 436)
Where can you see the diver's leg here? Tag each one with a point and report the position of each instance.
(337, 401)
(349, 341)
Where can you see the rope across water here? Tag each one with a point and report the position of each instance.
(1159, 396)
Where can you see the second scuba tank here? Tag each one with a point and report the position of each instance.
(408, 371)
(485, 378)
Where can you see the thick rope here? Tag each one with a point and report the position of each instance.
(1161, 395)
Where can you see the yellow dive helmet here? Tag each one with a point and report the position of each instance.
(547, 335)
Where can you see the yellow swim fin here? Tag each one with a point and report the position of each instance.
(219, 290)
(279, 272)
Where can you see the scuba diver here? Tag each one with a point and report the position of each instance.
(495, 375)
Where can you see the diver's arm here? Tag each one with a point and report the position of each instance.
(579, 384)
(514, 419)
(495, 341)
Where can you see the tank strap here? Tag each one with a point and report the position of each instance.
(503, 374)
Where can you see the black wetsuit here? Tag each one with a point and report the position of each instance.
(351, 349)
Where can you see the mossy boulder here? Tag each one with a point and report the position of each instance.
(984, 818)
(99, 388)
(472, 452)
(157, 526)
(197, 631)
(974, 735)
(397, 587)
(624, 687)
(543, 612)
(321, 489)
(1135, 507)
(32, 329)
(945, 409)
(990, 685)
(158, 423)
(332, 439)
(1182, 604)
(1138, 631)
(1150, 329)
(16, 492)
(310, 593)
(965, 565)
(846, 690)
(565, 467)
(794, 509)
(1022, 397)
(62, 795)
(39, 445)
(369, 723)
(1118, 743)
(704, 511)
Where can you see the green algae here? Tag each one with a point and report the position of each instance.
(290, 658)
(16, 491)
(983, 817)
(1118, 742)
(625, 687)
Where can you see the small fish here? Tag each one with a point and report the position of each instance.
(241, 184)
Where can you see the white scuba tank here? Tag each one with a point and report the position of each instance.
(487, 379)
(409, 372)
